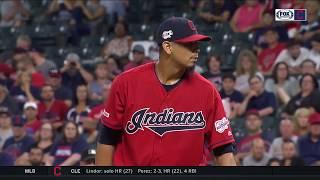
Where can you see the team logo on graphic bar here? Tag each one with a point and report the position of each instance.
(290, 14)
(165, 121)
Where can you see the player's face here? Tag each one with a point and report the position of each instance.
(186, 54)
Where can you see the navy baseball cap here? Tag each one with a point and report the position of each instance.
(19, 121)
(180, 30)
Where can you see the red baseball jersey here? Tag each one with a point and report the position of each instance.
(163, 128)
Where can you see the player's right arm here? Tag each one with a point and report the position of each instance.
(110, 132)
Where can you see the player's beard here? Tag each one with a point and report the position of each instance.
(190, 70)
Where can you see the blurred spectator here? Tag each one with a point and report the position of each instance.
(45, 137)
(96, 87)
(309, 145)
(116, 10)
(258, 98)
(44, 141)
(213, 74)
(308, 96)
(50, 109)
(24, 91)
(301, 116)
(18, 55)
(36, 156)
(20, 142)
(90, 126)
(293, 55)
(267, 57)
(139, 58)
(228, 92)
(247, 17)
(253, 128)
(290, 155)
(216, 10)
(6, 159)
(37, 78)
(267, 23)
(113, 67)
(310, 27)
(286, 132)
(14, 13)
(88, 157)
(73, 74)
(246, 67)
(30, 112)
(7, 101)
(308, 66)
(60, 91)
(42, 64)
(120, 44)
(80, 110)
(95, 13)
(24, 42)
(5, 125)
(315, 51)
(258, 155)
(72, 14)
(33, 158)
(274, 162)
(282, 84)
(67, 150)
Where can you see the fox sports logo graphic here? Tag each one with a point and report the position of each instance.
(284, 14)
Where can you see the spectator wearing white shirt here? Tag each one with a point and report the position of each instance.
(315, 51)
(293, 55)
(258, 155)
(286, 131)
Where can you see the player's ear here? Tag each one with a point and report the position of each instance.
(166, 46)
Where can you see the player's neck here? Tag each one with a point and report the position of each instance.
(168, 73)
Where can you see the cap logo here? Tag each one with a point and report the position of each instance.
(167, 34)
(191, 26)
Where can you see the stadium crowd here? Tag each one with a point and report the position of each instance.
(50, 104)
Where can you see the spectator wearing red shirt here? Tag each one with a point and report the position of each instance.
(30, 111)
(139, 58)
(51, 109)
(37, 78)
(268, 56)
